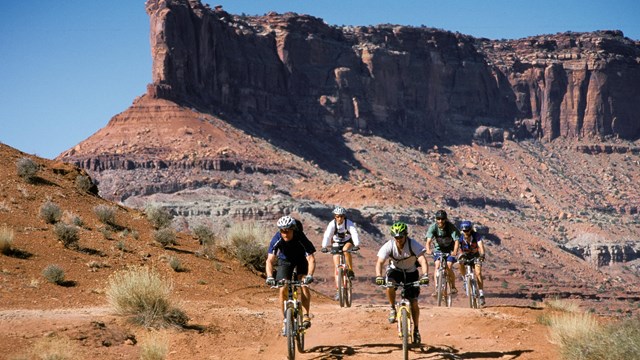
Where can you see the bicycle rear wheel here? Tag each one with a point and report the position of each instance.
(300, 330)
(341, 286)
(404, 331)
(291, 336)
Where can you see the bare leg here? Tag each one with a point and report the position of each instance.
(415, 312)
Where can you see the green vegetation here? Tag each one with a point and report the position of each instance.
(106, 214)
(140, 294)
(83, 183)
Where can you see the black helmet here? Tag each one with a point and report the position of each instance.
(441, 214)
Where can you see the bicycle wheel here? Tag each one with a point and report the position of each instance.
(469, 290)
(291, 336)
(475, 293)
(341, 286)
(300, 330)
(347, 291)
(447, 290)
(440, 283)
(404, 330)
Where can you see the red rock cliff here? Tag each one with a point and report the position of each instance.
(296, 71)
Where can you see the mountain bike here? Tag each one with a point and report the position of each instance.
(293, 323)
(470, 282)
(443, 292)
(345, 287)
(404, 318)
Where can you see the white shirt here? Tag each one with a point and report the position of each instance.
(330, 233)
(401, 259)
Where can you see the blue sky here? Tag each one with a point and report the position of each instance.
(67, 67)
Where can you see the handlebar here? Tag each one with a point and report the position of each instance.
(391, 284)
(283, 283)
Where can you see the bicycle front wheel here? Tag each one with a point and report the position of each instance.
(404, 331)
(469, 290)
(300, 330)
(341, 286)
(440, 284)
(291, 333)
(347, 291)
(475, 293)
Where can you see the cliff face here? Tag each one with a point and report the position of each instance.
(295, 71)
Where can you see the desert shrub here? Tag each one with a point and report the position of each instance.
(27, 169)
(71, 218)
(247, 242)
(53, 274)
(68, 234)
(83, 183)
(6, 240)
(176, 264)
(153, 348)
(50, 212)
(106, 214)
(158, 216)
(580, 336)
(142, 295)
(165, 236)
(53, 348)
(204, 235)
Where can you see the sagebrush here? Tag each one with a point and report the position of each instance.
(142, 295)
(249, 243)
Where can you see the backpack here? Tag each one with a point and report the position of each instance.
(410, 252)
(335, 229)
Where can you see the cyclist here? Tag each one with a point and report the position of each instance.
(403, 252)
(471, 246)
(291, 248)
(343, 232)
(444, 236)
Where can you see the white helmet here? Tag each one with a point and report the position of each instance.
(286, 222)
(339, 211)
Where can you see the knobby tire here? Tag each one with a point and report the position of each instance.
(440, 287)
(404, 330)
(300, 333)
(470, 292)
(475, 293)
(347, 291)
(291, 335)
(341, 286)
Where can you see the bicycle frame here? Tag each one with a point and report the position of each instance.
(470, 282)
(294, 329)
(404, 316)
(442, 281)
(345, 286)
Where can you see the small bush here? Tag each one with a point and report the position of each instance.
(140, 294)
(165, 237)
(204, 235)
(176, 264)
(50, 212)
(83, 183)
(158, 216)
(246, 241)
(6, 240)
(68, 234)
(27, 169)
(71, 218)
(53, 274)
(154, 348)
(106, 214)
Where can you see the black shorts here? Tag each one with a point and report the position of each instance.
(341, 247)
(284, 269)
(401, 276)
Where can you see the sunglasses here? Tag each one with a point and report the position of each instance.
(285, 230)
(440, 219)
(339, 216)
(467, 231)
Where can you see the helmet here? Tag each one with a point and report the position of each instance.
(286, 222)
(339, 210)
(441, 214)
(466, 225)
(399, 228)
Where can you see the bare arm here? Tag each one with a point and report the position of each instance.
(481, 247)
(379, 266)
(271, 258)
(428, 245)
(422, 260)
(311, 259)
